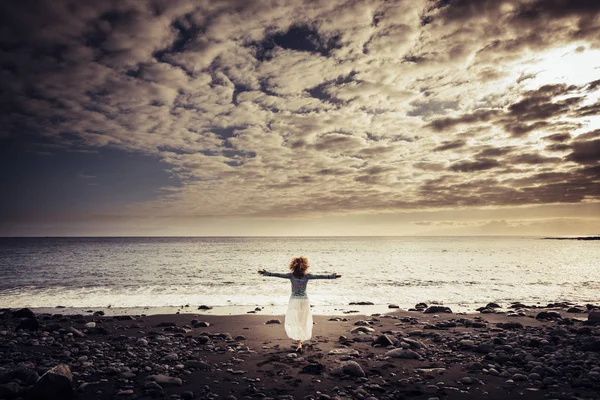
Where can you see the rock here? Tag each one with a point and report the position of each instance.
(362, 322)
(509, 325)
(90, 325)
(492, 305)
(170, 357)
(518, 305)
(594, 316)
(519, 377)
(467, 380)
(415, 344)
(25, 375)
(483, 348)
(273, 321)
(403, 353)
(349, 368)
(203, 307)
(201, 324)
(313, 369)
(10, 390)
(591, 344)
(466, 344)
(343, 351)
(125, 392)
(55, 384)
(548, 315)
(165, 380)
(203, 340)
(362, 330)
(393, 306)
(420, 306)
(99, 313)
(437, 309)
(188, 395)
(385, 341)
(197, 364)
(151, 385)
(360, 303)
(75, 332)
(124, 318)
(30, 324)
(23, 313)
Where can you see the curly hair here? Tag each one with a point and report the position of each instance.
(299, 266)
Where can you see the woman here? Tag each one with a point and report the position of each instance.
(298, 320)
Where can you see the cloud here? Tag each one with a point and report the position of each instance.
(317, 107)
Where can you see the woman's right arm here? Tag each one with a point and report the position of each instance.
(274, 274)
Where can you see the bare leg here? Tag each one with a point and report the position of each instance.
(299, 347)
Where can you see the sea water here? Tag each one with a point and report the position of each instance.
(463, 272)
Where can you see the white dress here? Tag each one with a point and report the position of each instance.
(298, 319)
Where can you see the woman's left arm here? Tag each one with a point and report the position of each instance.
(323, 276)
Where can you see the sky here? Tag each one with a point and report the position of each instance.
(322, 117)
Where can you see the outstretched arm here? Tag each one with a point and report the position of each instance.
(328, 276)
(275, 274)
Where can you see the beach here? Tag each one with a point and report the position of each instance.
(514, 351)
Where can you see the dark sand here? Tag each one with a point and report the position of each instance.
(243, 357)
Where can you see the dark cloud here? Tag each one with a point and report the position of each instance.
(450, 145)
(558, 137)
(494, 152)
(482, 164)
(558, 147)
(585, 152)
(477, 116)
(532, 159)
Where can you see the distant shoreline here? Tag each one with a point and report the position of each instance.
(574, 238)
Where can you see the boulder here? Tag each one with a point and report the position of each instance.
(594, 316)
(437, 309)
(351, 368)
(362, 330)
(23, 313)
(30, 324)
(203, 307)
(361, 303)
(165, 380)
(393, 306)
(11, 390)
(420, 306)
(404, 353)
(492, 305)
(509, 325)
(55, 384)
(385, 341)
(273, 321)
(75, 332)
(166, 324)
(197, 364)
(25, 375)
(548, 316)
(313, 369)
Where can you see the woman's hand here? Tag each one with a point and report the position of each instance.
(337, 276)
(261, 271)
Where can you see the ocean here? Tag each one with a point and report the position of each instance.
(460, 272)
